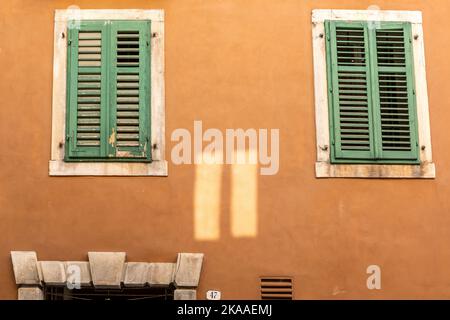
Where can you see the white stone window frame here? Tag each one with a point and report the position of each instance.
(57, 165)
(324, 167)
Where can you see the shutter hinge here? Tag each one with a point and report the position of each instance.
(414, 91)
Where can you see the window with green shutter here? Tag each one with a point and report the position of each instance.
(372, 102)
(108, 91)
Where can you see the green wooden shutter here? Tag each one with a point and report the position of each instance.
(130, 90)
(371, 92)
(108, 98)
(350, 94)
(397, 127)
(86, 112)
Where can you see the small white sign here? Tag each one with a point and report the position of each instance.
(213, 295)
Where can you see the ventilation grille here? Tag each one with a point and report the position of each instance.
(393, 86)
(127, 89)
(89, 88)
(353, 97)
(276, 288)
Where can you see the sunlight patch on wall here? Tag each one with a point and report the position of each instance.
(207, 194)
(244, 198)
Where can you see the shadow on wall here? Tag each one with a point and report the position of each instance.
(243, 199)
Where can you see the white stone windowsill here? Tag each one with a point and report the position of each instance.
(61, 168)
(388, 171)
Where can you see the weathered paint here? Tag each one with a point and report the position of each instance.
(232, 64)
(112, 137)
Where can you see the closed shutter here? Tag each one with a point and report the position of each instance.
(371, 90)
(396, 92)
(350, 85)
(108, 115)
(130, 119)
(87, 67)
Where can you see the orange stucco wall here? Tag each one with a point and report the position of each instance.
(231, 64)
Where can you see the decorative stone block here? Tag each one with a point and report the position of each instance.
(135, 274)
(30, 293)
(161, 274)
(185, 294)
(41, 277)
(107, 268)
(53, 272)
(189, 266)
(72, 268)
(25, 267)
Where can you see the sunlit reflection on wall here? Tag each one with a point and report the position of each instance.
(207, 192)
(244, 198)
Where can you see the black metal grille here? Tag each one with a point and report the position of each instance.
(144, 293)
(276, 288)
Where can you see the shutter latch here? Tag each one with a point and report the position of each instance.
(69, 137)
